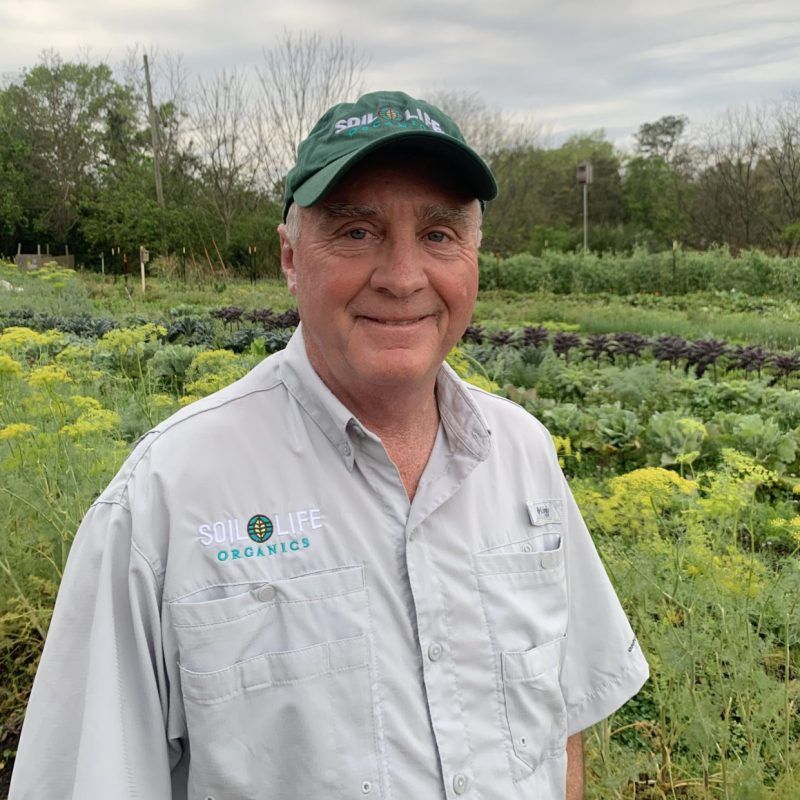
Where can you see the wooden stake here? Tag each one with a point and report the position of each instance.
(219, 255)
(154, 135)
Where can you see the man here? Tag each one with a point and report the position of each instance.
(348, 574)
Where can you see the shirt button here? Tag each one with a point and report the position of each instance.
(435, 651)
(548, 560)
(526, 548)
(460, 783)
(345, 449)
(266, 593)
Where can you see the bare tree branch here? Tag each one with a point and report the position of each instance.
(227, 147)
(300, 77)
(489, 131)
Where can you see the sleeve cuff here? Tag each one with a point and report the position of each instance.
(608, 697)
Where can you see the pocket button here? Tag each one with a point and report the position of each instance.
(548, 560)
(460, 783)
(266, 593)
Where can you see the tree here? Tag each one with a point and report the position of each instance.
(657, 200)
(782, 161)
(61, 111)
(489, 131)
(301, 76)
(538, 190)
(734, 185)
(228, 151)
(662, 139)
(14, 154)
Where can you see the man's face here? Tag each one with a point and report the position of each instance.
(386, 275)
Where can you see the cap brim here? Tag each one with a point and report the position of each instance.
(471, 168)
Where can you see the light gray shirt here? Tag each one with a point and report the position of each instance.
(254, 609)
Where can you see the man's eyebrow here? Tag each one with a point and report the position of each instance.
(336, 211)
(449, 215)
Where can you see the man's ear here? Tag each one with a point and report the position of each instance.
(287, 259)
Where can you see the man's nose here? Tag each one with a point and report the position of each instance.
(400, 267)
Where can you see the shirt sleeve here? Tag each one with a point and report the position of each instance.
(603, 665)
(96, 722)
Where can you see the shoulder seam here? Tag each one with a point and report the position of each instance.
(473, 388)
(159, 433)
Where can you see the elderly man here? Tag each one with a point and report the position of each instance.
(348, 574)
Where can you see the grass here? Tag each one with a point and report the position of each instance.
(708, 572)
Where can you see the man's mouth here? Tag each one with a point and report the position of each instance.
(396, 322)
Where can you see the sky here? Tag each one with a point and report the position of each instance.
(571, 66)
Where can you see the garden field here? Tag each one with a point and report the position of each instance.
(676, 417)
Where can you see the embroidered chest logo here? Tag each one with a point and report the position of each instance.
(261, 535)
(259, 528)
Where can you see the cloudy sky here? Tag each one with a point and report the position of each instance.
(573, 65)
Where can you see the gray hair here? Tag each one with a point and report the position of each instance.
(293, 224)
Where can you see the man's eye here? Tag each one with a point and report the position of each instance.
(357, 233)
(437, 236)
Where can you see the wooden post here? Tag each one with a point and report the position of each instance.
(102, 263)
(19, 248)
(141, 266)
(155, 136)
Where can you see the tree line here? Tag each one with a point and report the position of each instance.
(79, 148)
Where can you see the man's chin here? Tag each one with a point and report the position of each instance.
(400, 369)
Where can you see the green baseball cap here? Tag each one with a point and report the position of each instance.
(348, 132)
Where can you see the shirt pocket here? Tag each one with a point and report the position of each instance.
(523, 592)
(524, 600)
(535, 709)
(277, 685)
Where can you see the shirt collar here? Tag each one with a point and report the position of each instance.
(460, 415)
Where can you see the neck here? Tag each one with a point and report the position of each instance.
(404, 416)
(408, 432)
(396, 414)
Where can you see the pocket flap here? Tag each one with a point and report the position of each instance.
(547, 561)
(529, 664)
(310, 586)
(275, 669)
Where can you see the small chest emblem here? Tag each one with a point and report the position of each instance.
(259, 528)
(543, 512)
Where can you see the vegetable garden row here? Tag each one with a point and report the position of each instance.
(686, 468)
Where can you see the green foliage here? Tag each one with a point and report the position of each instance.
(690, 488)
(752, 273)
(675, 439)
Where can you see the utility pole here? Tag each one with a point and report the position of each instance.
(584, 176)
(155, 135)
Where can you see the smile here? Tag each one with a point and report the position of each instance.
(396, 322)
